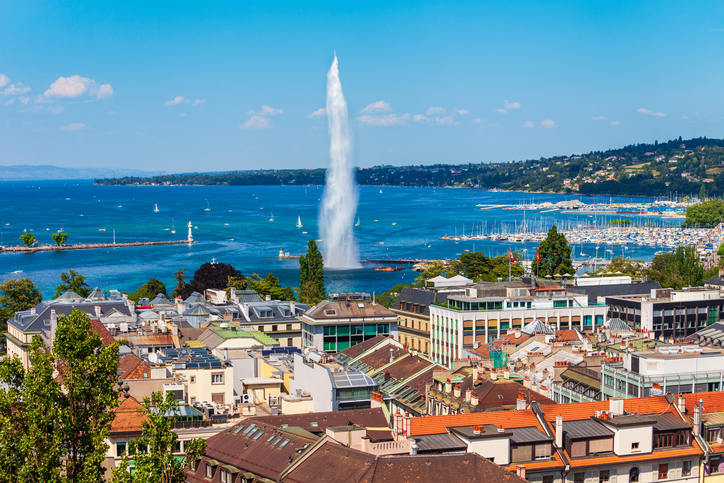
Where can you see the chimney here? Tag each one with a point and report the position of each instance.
(476, 373)
(293, 307)
(226, 353)
(500, 429)
(681, 403)
(474, 400)
(506, 374)
(33, 311)
(468, 395)
(267, 298)
(493, 376)
(520, 403)
(98, 310)
(181, 307)
(125, 296)
(697, 417)
(245, 310)
(520, 471)
(559, 431)
(53, 324)
(615, 406)
(392, 357)
(456, 392)
(413, 448)
(448, 386)
(232, 291)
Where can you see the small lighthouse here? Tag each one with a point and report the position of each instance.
(191, 235)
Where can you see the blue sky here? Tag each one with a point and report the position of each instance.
(202, 86)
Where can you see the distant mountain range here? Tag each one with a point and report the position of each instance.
(48, 172)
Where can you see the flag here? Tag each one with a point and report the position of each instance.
(512, 259)
(537, 255)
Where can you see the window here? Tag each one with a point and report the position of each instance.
(209, 471)
(633, 475)
(274, 328)
(193, 400)
(547, 478)
(290, 342)
(543, 451)
(120, 449)
(578, 449)
(604, 476)
(192, 379)
(521, 453)
(289, 326)
(634, 446)
(714, 465)
(217, 398)
(713, 434)
(663, 471)
(217, 378)
(686, 468)
(225, 476)
(579, 477)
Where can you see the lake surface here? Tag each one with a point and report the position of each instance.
(236, 229)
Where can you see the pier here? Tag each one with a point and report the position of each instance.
(89, 246)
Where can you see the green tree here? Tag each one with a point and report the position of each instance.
(27, 239)
(152, 452)
(59, 238)
(311, 275)
(708, 213)
(702, 193)
(59, 408)
(149, 290)
(555, 255)
(209, 275)
(180, 278)
(477, 266)
(269, 285)
(678, 269)
(388, 298)
(15, 295)
(625, 266)
(74, 281)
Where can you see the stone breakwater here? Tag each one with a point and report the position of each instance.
(87, 246)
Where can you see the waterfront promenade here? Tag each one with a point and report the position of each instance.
(87, 246)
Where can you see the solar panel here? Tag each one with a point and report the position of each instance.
(239, 429)
(254, 431)
(259, 435)
(249, 428)
(276, 441)
(286, 442)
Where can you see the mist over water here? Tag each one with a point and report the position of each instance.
(339, 203)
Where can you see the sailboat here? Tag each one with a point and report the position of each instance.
(173, 230)
(357, 224)
(299, 222)
(208, 206)
(156, 208)
(272, 217)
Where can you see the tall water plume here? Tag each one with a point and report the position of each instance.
(339, 203)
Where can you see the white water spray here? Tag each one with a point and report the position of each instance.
(339, 203)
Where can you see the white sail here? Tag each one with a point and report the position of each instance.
(299, 222)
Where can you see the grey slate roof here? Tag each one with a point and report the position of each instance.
(439, 443)
(248, 296)
(596, 291)
(97, 294)
(528, 435)
(669, 422)
(26, 322)
(585, 428)
(419, 297)
(195, 298)
(68, 296)
(714, 334)
(715, 280)
(161, 299)
(198, 310)
(281, 311)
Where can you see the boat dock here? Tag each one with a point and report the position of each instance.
(89, 246)
(401, 261)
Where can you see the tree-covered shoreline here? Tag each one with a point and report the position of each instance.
(659, 169)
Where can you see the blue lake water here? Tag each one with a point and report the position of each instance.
(236, 229)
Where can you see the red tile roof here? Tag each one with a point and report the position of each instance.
(713, 402)
(100, 329)
(579, 411)
(508, 419)
(133, 367)
(129, 417)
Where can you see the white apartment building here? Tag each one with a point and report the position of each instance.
(466, 320)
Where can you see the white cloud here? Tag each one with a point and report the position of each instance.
(477, 120)
(8, 102)
(420, 117)
(111, 113)
(547, 123)
(386, 120)
(461, 112)
(76, 86)
(435, 110)
(511, 105)
(599, 118)
(199, 102)
(183, 114)
(646, 111)
(24, 100)
(57, 110)
(528, 124)
(4, 80)
(176, 101)
(443, 121)
(15, 89)
(501, 111)
(379, 106)
(77, 126)
(256, 122)
(266, 111)
(321, 112)
(615, 123)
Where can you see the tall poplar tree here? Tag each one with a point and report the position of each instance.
(554, 254)
(311, 275)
